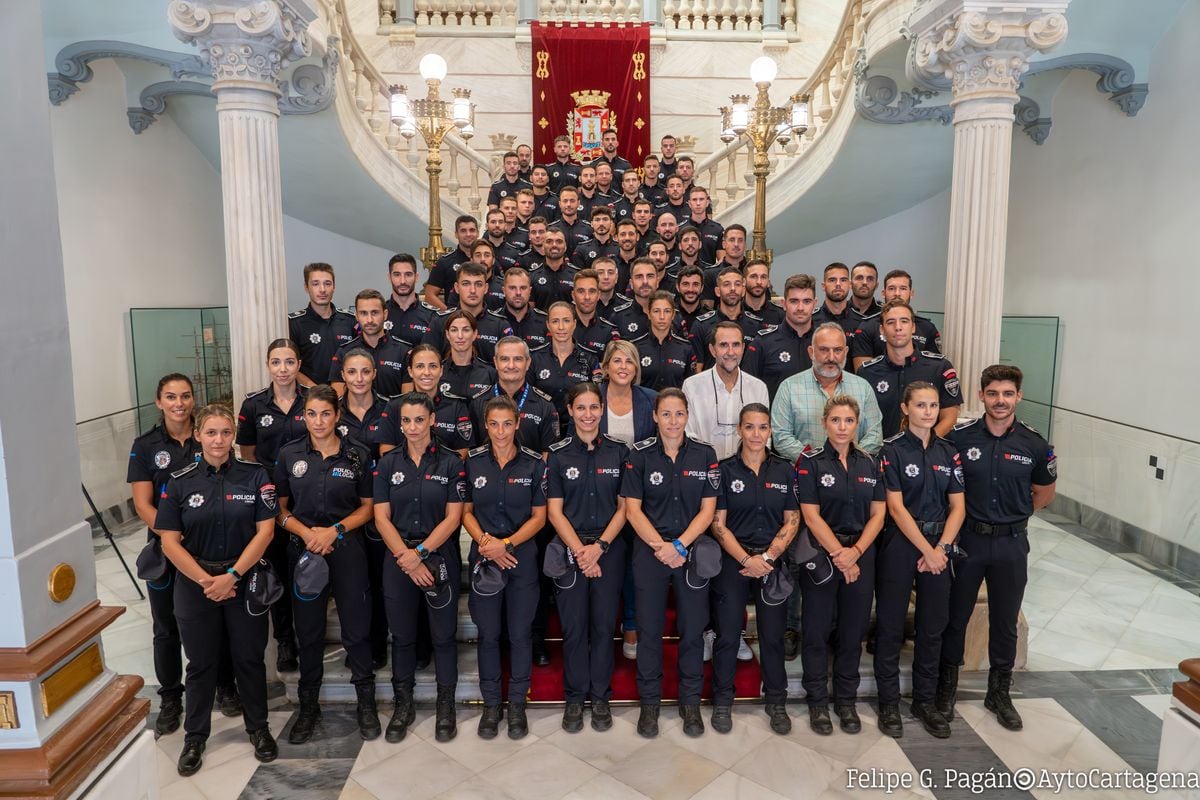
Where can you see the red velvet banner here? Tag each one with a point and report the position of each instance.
(587, 79)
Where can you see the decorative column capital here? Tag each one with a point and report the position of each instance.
(244, 42)
(980, 49)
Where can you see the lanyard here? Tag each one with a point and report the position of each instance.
(521, 402)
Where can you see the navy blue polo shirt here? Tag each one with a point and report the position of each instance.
(869, 341)
(546, 205)
(619, 167)
(504, 497)
(667, 363)
(444, 272)
(702, 328)
(323, 491)
(671, 491)
(605, 309)
(999, 472)
(263, 425)
(924, 476)
(216, 510)
(776, 354)
(452, 423)
(551, 285)
(575, 232)
(155, 455)
(588, 251)
(562, 174)
(588, 481)
(848, 320)
(410, 324)
(845, 493)
(712, 235)
(531, 328)
(537, 421)
(466, 381)
(391, 358)
(596, 335)
(630, 320)
(319, 338)
(554, 377)
(754, 504)
(889, 379)
(366, 430)
(506, 188)
(418, 494)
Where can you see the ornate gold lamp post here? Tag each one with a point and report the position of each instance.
(763, 125)
(433, 118)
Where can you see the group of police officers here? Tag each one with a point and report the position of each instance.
(500, 403)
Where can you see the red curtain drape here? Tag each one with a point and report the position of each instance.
(611, 58)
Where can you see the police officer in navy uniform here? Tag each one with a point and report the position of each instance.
(869, 340)
(666, 358)
(757, 517)
(464, 373)
(562, 170)
(517, 317)
(439, 288)
(545, 200)
(324, 485)
(408, 317)
(538, 419)
(561, 363)
(588, 513)
(903, 363)
(419, 493)
(269, 419)
(554, 276)
(689, 285)
(608, 143)
(780, 351)
(592, 330)
(712, 233)
(835, 282)
(319, 328)
(388, 352)
(602, 242)
(509, 182)
(1009, 471)
(923, 479)
(631, 319)
(670, 489)
(453, 426)
(168, 447)
(573, 221)
(730, 307)
(506, 507)
(842, 501)
(216, 518)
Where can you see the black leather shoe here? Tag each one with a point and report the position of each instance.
(791, 645)
(722, 719)
(935, 724)
(693, 723)
(781, 723)
(647, 726)
(489, 722)
(169, 715)
(518, 724)
(306, 721)
(379, 660)
(947, 690)
(819, 721)
(403, 715)
(601, 715)
(890, 723)
(997, 699)
(848, 719)
(541, 658)
(573, 718)
(445, 715)
(228, 701)
(286, 659)
(265, 748)
(366, 713)
(191, 759)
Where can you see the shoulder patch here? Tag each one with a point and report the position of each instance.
(345, 311)
(680, 339)
(426, 305)
(445, 312)
(538, 311)
(894, 438)
(452, 396)
(960, 426)
(611, 440)
(639, 338)
(813, 453)
(478, 451)
(707, 315)
(645, 443)
(875, 360)
(294, 314)
(495, 314)
(531, 453)
(752, 315)
(542, 395)
(867, 316)
(185, 470)
(622, 307)
(768, 329)
(256, 394)
(561, 443)
(937, 356)
(539, 348)
(1030, 427)
(480, 393)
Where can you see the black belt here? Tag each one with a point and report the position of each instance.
(215, 567)
(755, 551)
(931, 530)
(411, 544)
(986, 529)
(847, 539)
(589, 538)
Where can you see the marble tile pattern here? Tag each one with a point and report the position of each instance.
(1105, 637)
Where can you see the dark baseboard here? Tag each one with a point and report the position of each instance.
(1138, 540)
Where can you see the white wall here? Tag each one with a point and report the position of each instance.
(357, 265)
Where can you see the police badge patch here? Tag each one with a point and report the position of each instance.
(162, 459)
(464, 428)
(714, 476)
(299, 469)
(267, 493)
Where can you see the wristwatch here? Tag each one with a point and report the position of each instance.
(603, 545)
(422, 552)
(340, 528)
(768, 559)
(508, 546)
(680, 548)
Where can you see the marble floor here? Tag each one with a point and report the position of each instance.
(1106, 629)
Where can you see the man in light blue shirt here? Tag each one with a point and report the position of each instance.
(800, 399)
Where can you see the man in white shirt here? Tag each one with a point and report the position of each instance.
(716, 396)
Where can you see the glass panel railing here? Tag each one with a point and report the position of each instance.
(1031, 343)
(191, 341)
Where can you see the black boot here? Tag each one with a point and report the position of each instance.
(489, 722)
(890, 723)
(265, 748)
(935, 724)
(781, 723)
(947, 690)
(445, 723)
(572, 721)
(601, 715)
(693, 723)
(722, 719)
(997, 700)
(819, 721)
(169, 714)
(518, 724)
(191, 759)
(403, 714)
(647, 726)
(286, 659)
(368, 715)
(848, 719)
(306, 721)
(228, 701)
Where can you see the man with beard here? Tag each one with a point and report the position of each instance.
(666, 164)
(868, 341)
(514, 231)
(610, 298)
(711, 232)
(483, 254)
(717, 395)
(509, 182)
(390, 354)
(733, 243)
(675, 202)
(554, 276)
(545, 202)
(591, 330)
(758, 290)
(563, 171)
(601, 243)
(689, 285)
(618, 165)
(574, 227)
(441, 277)
(471, 288)
(588, 198)
(606, 190)
(656, 251)
(731, 292)
(536, 252)
(631, 186)
(524, 161)
(864, 280)
(407, 318)
(627, 251)
(902, 364)
(516, 317)
(835, 282)
(643, 215)
(685, 168)
(1008, 472)
(652, 187)
(504, 252)
(781, 351)
(667, 228)
(633, 318)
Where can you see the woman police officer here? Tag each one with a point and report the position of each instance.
(670, 489)
(324, 485)
(452, 426)
(923, 479)
(168, 447)
(585, 507)
(842, 502)
(506, 507)
(216, 519)
(269, 419)
(561, 363)
(464, 373)
(419, 493)
(757, 517)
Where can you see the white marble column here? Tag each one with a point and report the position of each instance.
(247, 44)
(980, 51)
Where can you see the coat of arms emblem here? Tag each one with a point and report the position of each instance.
(588, 122)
